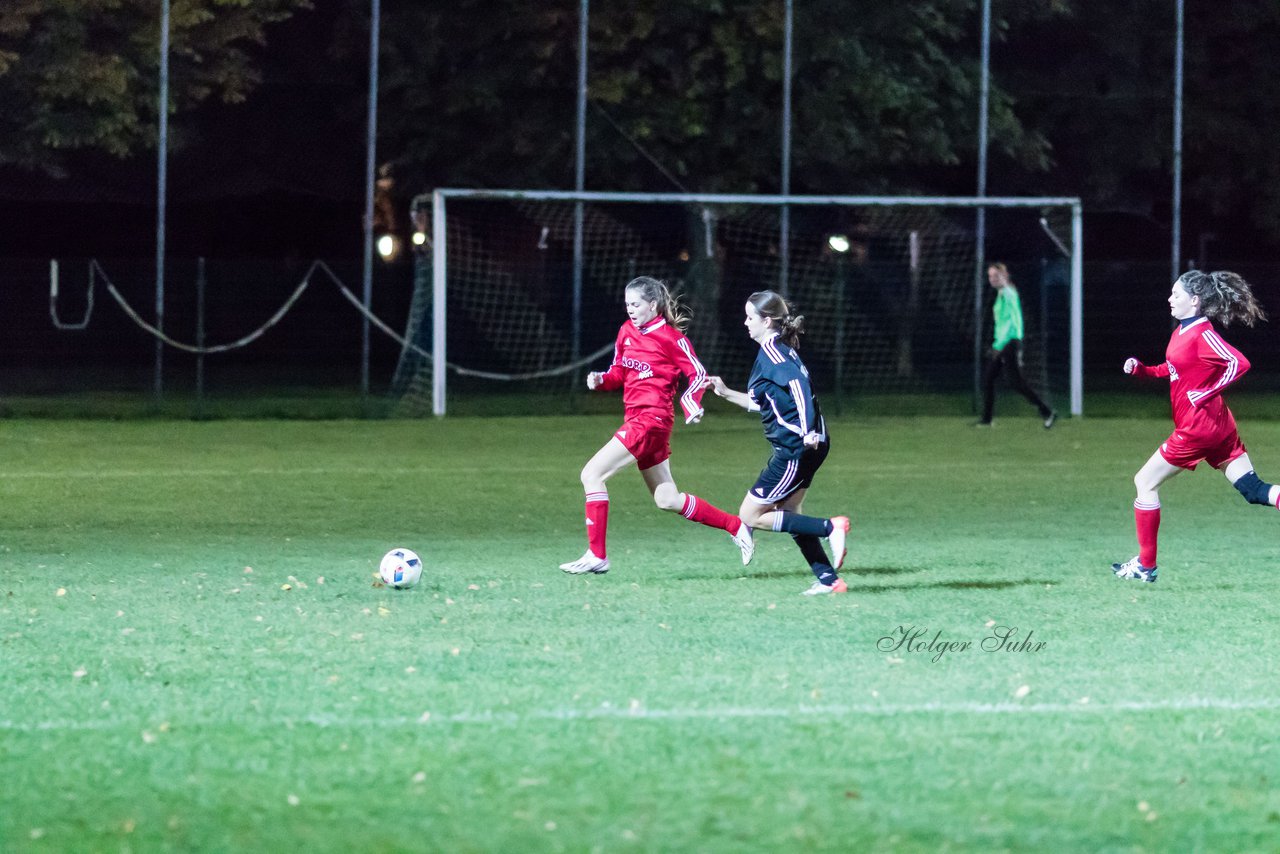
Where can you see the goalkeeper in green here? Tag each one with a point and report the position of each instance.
(1006, 349)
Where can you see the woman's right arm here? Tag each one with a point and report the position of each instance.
(1135, 368)
(612, 378)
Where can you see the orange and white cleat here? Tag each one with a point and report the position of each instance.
(817, 588)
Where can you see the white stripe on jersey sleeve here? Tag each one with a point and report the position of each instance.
(797, 394)
(771, 351)
(687, 402)
(1228, 375)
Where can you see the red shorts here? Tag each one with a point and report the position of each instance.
(647, 437)
(1186, 451)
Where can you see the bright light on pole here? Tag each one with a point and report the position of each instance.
(387, 247)
(839, 246)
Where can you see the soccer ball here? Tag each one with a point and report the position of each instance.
(400, 568)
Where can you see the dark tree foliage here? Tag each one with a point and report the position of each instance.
(681, 95)
(82, 74)
(689, 95)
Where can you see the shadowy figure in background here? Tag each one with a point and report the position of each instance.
(1006, 349)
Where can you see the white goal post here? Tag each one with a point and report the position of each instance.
(965, 278)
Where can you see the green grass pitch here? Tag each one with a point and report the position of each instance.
(194, 657)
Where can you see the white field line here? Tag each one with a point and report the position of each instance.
(104, 474)
(640, 713)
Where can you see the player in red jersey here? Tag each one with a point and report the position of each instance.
(1199, 365)
(650, 358)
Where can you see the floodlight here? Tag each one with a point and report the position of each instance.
(387, 246)
(838, 243)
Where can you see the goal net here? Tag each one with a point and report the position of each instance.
(520, 292)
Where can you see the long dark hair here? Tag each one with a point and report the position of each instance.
(669, 305)
(1224, 296)
(770, 304)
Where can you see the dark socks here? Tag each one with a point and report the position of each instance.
(794, 523)
(811, 547)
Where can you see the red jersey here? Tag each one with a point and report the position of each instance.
(648, 363)
(1199, 365)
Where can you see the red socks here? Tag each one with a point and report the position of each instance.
(597, 522)
(1146, 519)
(697, 510)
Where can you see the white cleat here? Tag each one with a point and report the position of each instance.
(837, 538)
(817, 588)
(1135, 571)
(587, 563)
(746, 543)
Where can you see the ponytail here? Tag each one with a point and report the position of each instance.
(669, 305)
(1224, 296)
(772, 305)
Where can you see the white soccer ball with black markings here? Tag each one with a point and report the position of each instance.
(400, 568)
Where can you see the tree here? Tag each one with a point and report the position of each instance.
(689, 94)
(82, 74)
(1099, 85)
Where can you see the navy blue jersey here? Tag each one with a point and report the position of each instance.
(780, 387)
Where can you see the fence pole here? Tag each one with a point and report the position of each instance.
(371, 144)
(162, 180)
(784, 225)
(980, 231)
(200, 283)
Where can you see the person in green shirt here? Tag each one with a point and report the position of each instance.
(1006, 349)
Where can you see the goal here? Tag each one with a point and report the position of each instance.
(520, 291)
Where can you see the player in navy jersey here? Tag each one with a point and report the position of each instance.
(650, 358)
(779, 389)
(1199, 365)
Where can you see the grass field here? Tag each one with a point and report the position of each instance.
(193, 656)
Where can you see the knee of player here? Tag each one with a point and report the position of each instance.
(1253, 489)
(750, 513)
(670, 500)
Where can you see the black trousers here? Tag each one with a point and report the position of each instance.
(1008, 360)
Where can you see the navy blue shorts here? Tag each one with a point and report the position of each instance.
(785, 473)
